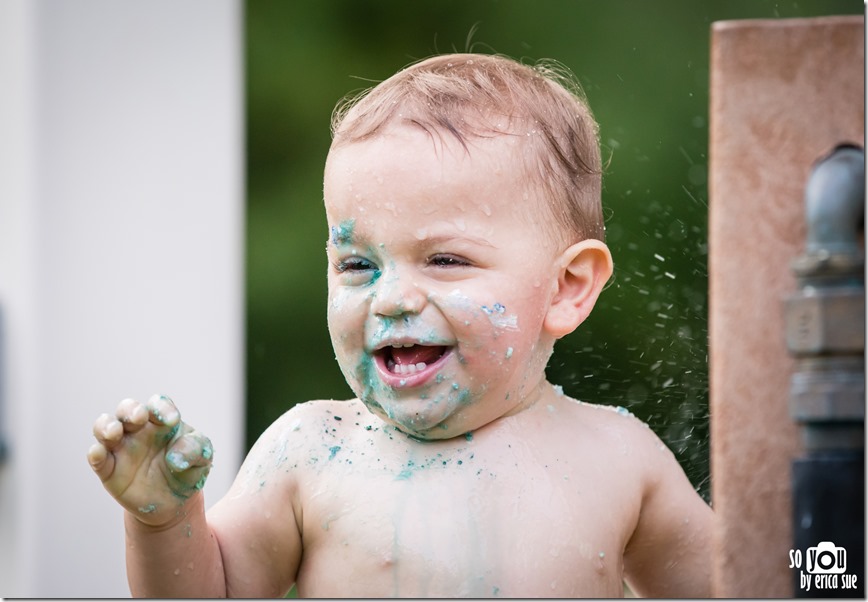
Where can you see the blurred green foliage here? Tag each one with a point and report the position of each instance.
(644, 68)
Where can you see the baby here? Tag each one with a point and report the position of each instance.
(463, 199)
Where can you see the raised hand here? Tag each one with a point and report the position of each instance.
(150, 461)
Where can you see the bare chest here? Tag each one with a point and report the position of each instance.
(462, 522)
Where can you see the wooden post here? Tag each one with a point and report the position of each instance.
(783, 93)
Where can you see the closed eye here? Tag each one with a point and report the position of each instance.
(448, 260)
(353, 264)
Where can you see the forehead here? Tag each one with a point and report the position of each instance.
(407, 164)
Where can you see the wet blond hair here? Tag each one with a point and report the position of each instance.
(470, 95)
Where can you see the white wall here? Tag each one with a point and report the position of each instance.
(121, 260)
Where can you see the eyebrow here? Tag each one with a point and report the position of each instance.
(342, 233)
(431, 240)
(443, 238)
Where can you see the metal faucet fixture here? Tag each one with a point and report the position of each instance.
(825, 333)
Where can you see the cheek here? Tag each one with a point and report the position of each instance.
(346, 313)
(492, 317)
(497, 337)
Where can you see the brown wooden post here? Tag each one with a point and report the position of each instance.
(783, 94)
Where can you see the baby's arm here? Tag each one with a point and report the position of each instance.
(258, 521)
(154, 465)
(669, 553)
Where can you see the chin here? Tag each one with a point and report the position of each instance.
(433, 434)
(423, 425)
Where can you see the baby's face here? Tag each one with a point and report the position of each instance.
(441, 271)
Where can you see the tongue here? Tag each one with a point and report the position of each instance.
(416, 354)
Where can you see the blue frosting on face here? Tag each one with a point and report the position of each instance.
(342, 234)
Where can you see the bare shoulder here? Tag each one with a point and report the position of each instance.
(607, 416)
(317, 409)
(260, 518)
(616, 429)
(307, 426)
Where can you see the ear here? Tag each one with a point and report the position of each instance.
(585, 268)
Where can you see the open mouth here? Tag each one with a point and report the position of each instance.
(409, 364)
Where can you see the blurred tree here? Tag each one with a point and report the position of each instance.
(644, 68)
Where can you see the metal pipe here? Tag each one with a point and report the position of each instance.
(835, 203)
(825, 323)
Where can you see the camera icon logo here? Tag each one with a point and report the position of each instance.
(826, 559)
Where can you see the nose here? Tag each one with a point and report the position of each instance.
(396, 295)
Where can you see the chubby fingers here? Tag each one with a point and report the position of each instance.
(189, 461)
(191, 449)
(101, 461)
(132, 414)
(129, 417)
(108, 431)
(162, 411)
